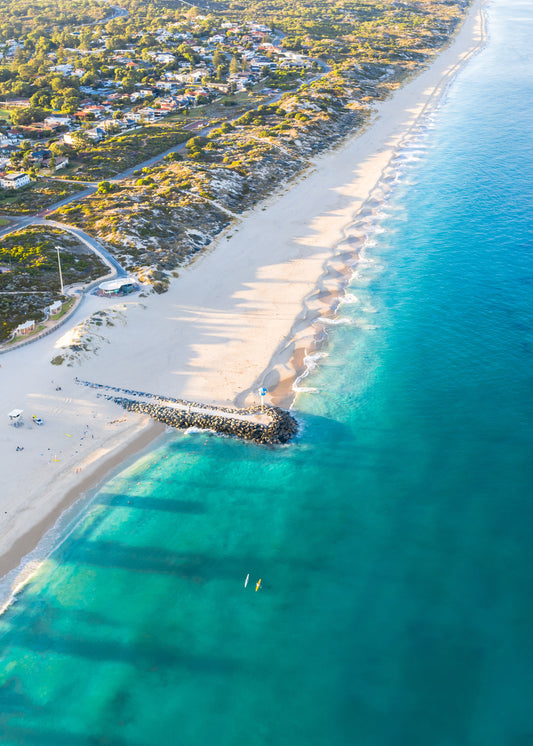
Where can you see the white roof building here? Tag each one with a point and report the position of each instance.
(55, 307)
(121, 285)
(14, 180)
(57, 121)
(26, 327)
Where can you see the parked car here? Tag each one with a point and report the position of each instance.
(37, 420)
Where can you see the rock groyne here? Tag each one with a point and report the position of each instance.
(268, 425)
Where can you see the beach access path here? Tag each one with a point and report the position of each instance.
(240, 317)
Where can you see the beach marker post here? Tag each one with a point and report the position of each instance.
(262, 393)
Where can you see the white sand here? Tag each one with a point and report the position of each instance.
(232, 321)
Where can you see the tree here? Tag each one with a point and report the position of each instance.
(85, 39)
(70, 106)
(104, 187)
(27, 116)
(89, 78)
(16, 158)
(40, 99)
(80, 140)
(218, 58)
(234, 66)
(56, 148)
(195, 143)
(186, 52)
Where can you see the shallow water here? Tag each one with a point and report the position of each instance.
(392, 539)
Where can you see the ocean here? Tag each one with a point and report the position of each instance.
(393, 538)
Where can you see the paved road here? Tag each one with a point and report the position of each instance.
(117, 13)
(19, 222)
(89, 241)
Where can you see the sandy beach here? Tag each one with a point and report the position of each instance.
(244, 315)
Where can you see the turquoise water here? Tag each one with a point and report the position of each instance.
(393, 539)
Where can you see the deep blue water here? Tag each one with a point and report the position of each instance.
(393, 539)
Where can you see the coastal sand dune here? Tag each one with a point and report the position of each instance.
(241, 316)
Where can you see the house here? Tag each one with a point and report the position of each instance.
(241, 80)
(147, 92)
(26, 328)
(196, 76)
(164, 58)
(54, 122)
(168, 104)
(167, 85)
(95, 134)
(14, 180)
(40, 155)
(65, 69)
(111, 125)
(54, 308)
(143, 93)
(146, 115)
(97, 109)
(219, 87)
(61, 162)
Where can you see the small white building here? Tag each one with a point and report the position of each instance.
(14, 180)
(26, 328)
(61, 162)
(65, 69)
(54, 308)
(163, 57)
(54, 122)
(120, 286)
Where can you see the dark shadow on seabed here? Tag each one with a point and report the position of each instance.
(196, 567)
(22, 736)
(40, 637)
(143, 654)
(167, 505)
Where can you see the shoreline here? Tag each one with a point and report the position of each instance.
(11, 560)
(326, 297)
(252, 324)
